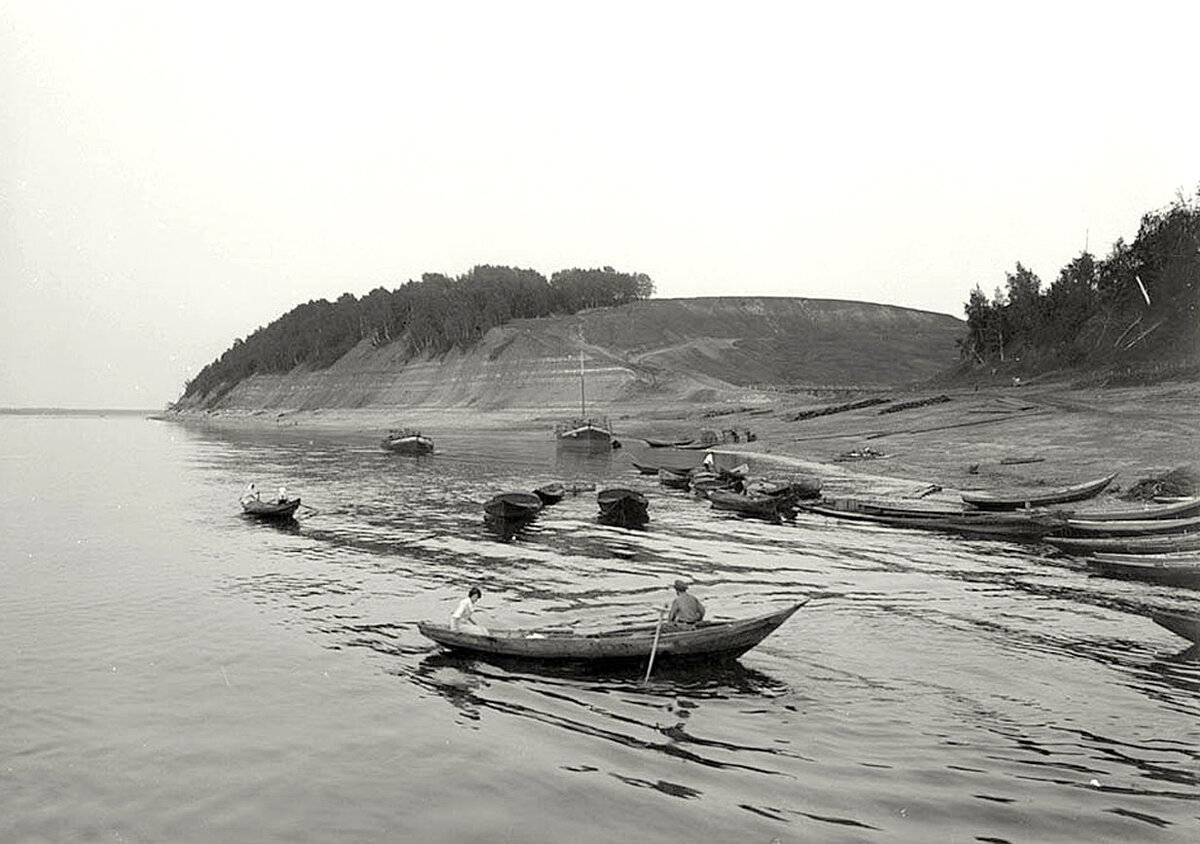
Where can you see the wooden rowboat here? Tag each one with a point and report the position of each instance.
(1170, 570)
(764, 506)
(1023, 526)
(1181, 624)
(1126, 544)
(551, 493)
(708, 640)
(1135, 527)
(623, 507)
(1174, 510)
(1036, 498)
(511, 506)
(280, 510)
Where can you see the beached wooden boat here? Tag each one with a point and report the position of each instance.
(669, 443)
(623, 507)
(762, 506)
(644, 468)
(675, 478)
(280, 509)
(895, 507)
(1020, 527)
(551, 493)
(1136, 527)
(711, 640)
(511, 506)
(794, 488)
(1168, 569)
(1186, 625)
(407, 441)
(1126, 544)
(1181, 509)
(1036, 498)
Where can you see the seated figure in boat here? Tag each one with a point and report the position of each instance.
(463, 617)
(686, 610)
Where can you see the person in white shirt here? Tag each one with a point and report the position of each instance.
(462, 619)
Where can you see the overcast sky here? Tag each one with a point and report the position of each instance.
(175, 175)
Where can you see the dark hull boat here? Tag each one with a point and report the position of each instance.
(623, 507)
(512, 506)
(706, 641)
(1036, 498)
(282, 510)
(551, 493)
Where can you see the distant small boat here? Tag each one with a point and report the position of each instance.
(512, 506)
(551, 493)
(669, 443)
(623, 507)
(407, 441)
(1036, 498)
(1167, 569)
(585, 432)
(1186, 625)
(1126, 544)
(280, 509)
(707, 641)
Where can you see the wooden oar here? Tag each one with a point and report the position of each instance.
(654, 648)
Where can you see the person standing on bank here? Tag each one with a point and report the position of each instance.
(686, 610)
(463, 618)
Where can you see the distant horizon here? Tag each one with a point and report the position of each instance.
(38, 410)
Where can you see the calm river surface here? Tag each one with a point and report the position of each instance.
(172, 672)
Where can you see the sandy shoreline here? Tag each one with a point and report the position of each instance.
(983, 438)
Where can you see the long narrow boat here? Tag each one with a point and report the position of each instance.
(280, 510)
(1136, 527)
(675, 478)
(1022, 526)
(1170, 570)
(895, 507)
(1181, 509)
(1186, 625)
(708, 640)
(1126, 544)
(623, 507)
(1036, 498)
(644, 468)
(511, 506)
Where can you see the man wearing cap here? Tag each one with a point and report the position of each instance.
(685, 610)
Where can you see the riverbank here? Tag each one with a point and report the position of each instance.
(963, 439)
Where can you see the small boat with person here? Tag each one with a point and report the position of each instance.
(707, 641)
(1017, 500)
(281, 509)
(407, 441)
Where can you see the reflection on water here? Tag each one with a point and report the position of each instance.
(936, 688)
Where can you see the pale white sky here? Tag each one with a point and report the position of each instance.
(174, 175)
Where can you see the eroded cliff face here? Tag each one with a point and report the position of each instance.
(661, 350)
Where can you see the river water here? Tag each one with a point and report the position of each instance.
(173, 672)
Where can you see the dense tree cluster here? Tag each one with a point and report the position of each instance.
(433, 315)
(1140, 301)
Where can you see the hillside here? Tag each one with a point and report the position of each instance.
(656, 350)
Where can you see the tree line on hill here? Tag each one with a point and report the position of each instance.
(1138, 303)
(433, 315)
